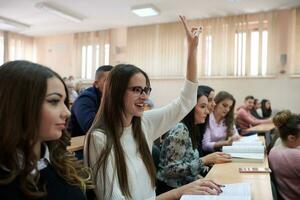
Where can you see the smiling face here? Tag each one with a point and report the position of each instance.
(133, 99)
(211, 101)
(54, 111)
(223, 108)
(249, 103)
(201, 110)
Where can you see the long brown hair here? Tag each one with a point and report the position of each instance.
(287, 123)
(23, 87)
(229, 118)
(109, 119)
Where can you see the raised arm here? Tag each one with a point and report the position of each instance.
(192, 36)
(158, 121)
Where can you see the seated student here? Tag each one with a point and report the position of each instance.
(256, 110)
(85, 107)
(179, 158)
(210, 94)
(244, 118)
(285, 158)
(71, 90)
(34, 162)
(266, 108)
(221, 130)
(118, 146)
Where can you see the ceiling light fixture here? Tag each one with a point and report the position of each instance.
(9, 23)
(58, 12)
(145, 10)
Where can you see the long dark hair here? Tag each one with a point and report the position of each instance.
(109, 119)
(229, 118)
(189, 121)
(266, 112)
(23, 87)
(202, 127)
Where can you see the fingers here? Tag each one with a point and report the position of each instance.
(212, 185)
(224, 155)
(183, 20)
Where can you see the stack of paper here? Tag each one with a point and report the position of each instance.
(237, 191)
(247, 149)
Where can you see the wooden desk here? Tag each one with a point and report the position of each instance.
(229, 173)
(261, 128)
(77, 143)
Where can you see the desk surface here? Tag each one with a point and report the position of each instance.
(76, 143)
(229, 173)
(261, 128)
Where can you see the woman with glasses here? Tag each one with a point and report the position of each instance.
(118, 145)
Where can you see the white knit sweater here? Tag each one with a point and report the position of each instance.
(154, 123)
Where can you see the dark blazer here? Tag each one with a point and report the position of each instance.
(83, 111)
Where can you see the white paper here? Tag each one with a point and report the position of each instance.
(237, 191)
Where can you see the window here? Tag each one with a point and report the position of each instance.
(240, 54)
(208, 46)
(91, 59)
(1, 50)
(264, 55)
(254, 56)
(258, 54)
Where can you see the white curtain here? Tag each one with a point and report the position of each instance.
(161, 49)
(18, 47)
(294, 42)
(96, 41)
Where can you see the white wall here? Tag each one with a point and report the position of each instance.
(283, 92)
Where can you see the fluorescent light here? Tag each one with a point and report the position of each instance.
(9, 23)
(145, 10)
(58, 12)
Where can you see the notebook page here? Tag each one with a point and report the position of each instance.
(237, 191)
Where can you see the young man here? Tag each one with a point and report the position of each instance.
(87, 104)
(244, 118)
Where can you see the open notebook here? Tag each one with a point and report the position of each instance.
(247, 149)
(237, 191)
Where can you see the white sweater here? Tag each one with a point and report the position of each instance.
(154, 123)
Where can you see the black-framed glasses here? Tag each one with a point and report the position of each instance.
(139, 90)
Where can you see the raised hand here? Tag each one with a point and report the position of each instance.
(192, 34)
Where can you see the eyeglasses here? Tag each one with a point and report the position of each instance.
(139, 90)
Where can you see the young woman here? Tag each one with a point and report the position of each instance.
(210, 94)
(285, 158)
(34, 162)
(179, 158)
(256, 110)
(221, 130)
(118, 145)
(266, 108)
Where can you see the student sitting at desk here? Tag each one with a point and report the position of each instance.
(118, 145)
(180, 162)
(285, 158)
(221, 130)
(34, 162)
(244, 118)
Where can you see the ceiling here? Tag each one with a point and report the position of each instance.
(101, 14)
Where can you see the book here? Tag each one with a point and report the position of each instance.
(247, 149)
(244, 149)
(236, 191)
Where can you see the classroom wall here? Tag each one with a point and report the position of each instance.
(283, 91)
(55, 52)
